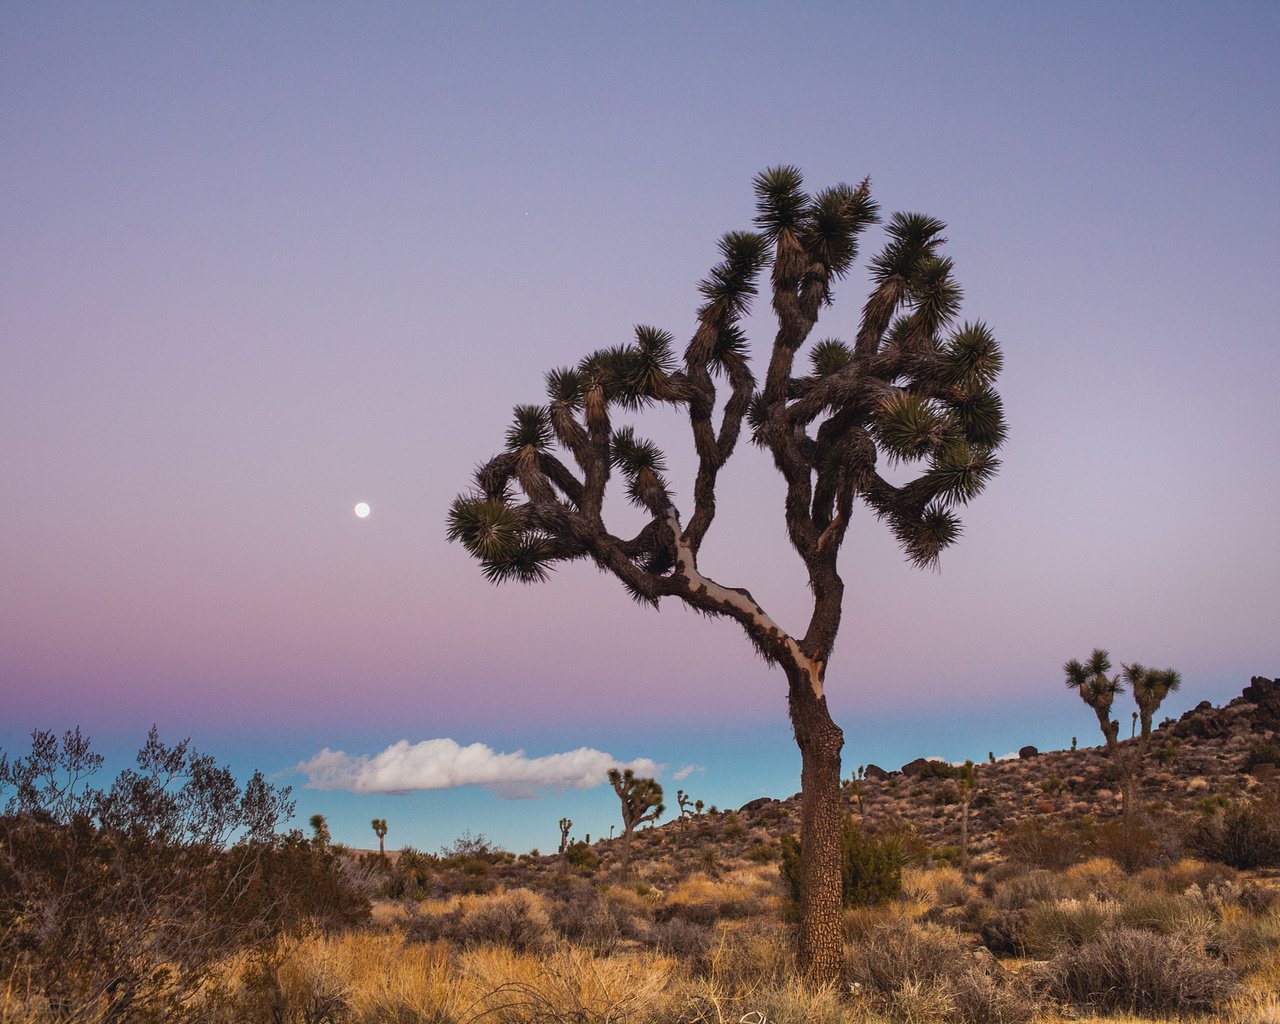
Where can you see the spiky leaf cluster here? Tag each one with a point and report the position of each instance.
(496, 535)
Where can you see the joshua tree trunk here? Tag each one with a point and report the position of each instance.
(820, 741)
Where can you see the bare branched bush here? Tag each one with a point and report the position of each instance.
(1140, 972)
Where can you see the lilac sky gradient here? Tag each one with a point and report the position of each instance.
(264, 261)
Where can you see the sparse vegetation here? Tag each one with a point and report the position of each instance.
(1047, 924)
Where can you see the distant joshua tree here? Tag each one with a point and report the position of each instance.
(1098, 690)
(565, 825)
(908, 386)
(1150, 687)
(319, 830)
(380, 830)
(641, 801)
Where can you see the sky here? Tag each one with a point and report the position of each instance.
(263, 261)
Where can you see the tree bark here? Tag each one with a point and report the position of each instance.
(821, 948)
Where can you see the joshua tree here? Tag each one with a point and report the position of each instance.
(641, 801)
(966, 783)
(319, 830)
(565, 825)
(1098, 690)
(905, 387)
(1150, 687)
(688, 806)
(380, 830)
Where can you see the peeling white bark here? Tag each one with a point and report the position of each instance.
(687, 564)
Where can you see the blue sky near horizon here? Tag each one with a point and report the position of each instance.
(264, 261)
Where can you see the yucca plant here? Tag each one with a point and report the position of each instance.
(909, 387)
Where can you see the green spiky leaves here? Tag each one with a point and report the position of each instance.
(781, 201)
(565, 387)
(909, 427)
(960, 471)
(642, 463)
(494, 534)
(912, 236)
(730, 286)
(973, 355)
(923, 539)
(531, 428)
(831, 225)
(829, 356)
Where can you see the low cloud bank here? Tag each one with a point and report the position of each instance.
(445, 764)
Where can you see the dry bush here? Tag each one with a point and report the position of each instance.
(686, 940)
(1099, 877)
(989, 996)
(366, 978)
(1207, 877)
(893, 954)
(515, 918)
(585, 920)
(1186, 916)
(707, 902)
(1140, 972)
(1049, 928)
(568, 987)
(1250, 940)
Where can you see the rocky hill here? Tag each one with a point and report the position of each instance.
(1209, 753)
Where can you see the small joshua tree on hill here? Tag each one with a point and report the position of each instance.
(380, 830)
(565, 825)
(907, 387)
(641, 801)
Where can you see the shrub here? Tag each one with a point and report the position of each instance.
(1035, 845)
(581, 857)
(870, 865)
(121, 903)
(684, 939)
(899, 952)
(1244, 834)
(516, 919)
(1125, 970)
(1052, 927)
(1262, 754)
(990, 997)
(584, 920)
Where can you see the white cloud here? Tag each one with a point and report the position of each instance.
(686, 771)
(445, 764)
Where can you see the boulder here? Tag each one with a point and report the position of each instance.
(1028, 751)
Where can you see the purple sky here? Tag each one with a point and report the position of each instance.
(261, 262)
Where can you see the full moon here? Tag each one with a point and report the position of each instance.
(362, 510)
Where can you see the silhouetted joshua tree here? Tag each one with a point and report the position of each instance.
(380, 830)
(1150, 687)
(565, 825)
(906, 387)
(641, 801)
(1098, 690)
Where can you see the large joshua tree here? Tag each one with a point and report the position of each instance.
(906, 386)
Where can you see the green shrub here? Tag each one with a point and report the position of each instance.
(582, 857)
(1245, 834)
(870, 865)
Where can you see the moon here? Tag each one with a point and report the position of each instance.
(362, 510)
